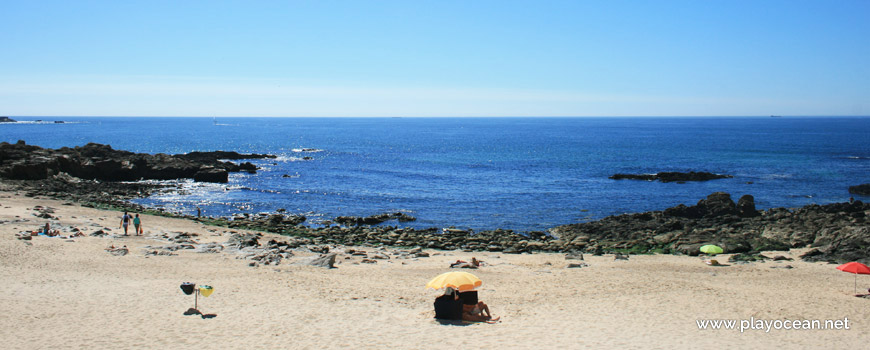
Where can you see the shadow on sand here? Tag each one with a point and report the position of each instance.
(453, 322)
(192, 311)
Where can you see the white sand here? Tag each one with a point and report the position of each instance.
(56, 294)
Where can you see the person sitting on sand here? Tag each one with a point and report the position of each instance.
(125, 221)
(448, 306)
(48, 232)
(475, 310)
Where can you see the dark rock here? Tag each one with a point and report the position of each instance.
(746, 207)
(7, 120)
(321, 249)
(374, 219)
(717, 204)
(863, 189)
(211, 175)
(742, 257)
(672, 176)
(101, 162)
(215, 155)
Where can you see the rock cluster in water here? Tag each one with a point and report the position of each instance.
(863, 189)
(671, 176)
(93, 161)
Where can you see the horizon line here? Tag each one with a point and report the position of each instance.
(444, 116)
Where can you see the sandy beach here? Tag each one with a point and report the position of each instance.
(70, 293)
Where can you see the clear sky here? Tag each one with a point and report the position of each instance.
(434, 58)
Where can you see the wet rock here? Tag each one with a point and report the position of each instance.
(671, 176)
(374, 219)
(211, 175)
(863, 189)
(100, 162)
(746, 207)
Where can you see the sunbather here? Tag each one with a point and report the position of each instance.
(466, 265)
(475, 310)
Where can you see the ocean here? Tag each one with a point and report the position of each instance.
(523, 174)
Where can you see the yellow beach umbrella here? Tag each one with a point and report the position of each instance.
(460, 280)
(205, 290)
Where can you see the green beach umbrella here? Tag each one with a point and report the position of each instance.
(711, 249)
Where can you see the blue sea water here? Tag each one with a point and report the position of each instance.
(484, 173)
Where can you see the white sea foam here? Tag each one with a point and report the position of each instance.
(289, 159)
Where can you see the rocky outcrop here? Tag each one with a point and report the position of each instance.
(7, 120)
(671, 176)
(863, 189)
(746, 207)
(100, 162)
(374, 219)
(839, 230)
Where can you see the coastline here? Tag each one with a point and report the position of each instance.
(837, 231)
(93, 175)
(59, 293)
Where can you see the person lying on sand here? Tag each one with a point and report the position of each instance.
(466, 265)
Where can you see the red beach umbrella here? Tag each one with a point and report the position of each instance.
(856, 268)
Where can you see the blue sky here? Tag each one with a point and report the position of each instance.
(434, 58)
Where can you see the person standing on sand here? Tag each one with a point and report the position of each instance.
(125, 221)
(136, 225)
